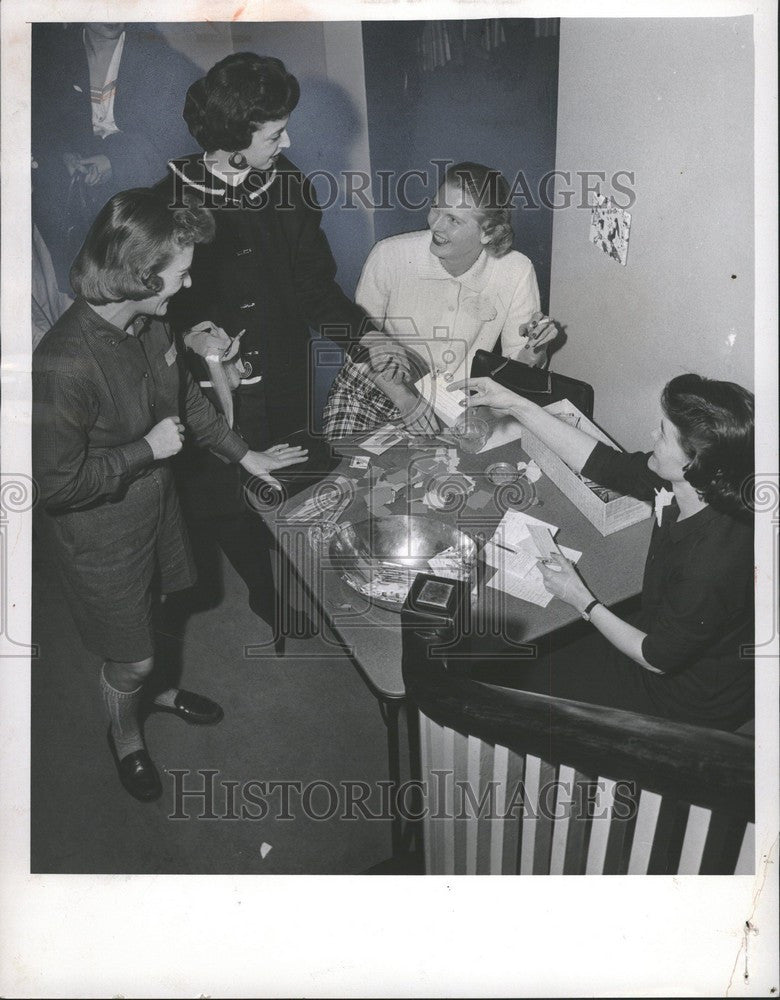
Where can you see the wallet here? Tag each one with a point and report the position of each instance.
(534, 383)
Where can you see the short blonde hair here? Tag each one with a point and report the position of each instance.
(489, 191)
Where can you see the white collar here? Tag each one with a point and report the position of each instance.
(475, 278)
(232, 179)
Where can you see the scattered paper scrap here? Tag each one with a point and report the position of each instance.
(533, 472)
(382, 493)
(360, 462)
(383, 439)
(480, 499)
(264, 849)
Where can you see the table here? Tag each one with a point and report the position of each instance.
(371, 636)
(611, 565)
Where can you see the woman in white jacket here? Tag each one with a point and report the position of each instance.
(437, 296)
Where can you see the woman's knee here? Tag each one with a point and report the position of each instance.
(128, 672)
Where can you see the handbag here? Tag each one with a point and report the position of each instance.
(540, 386)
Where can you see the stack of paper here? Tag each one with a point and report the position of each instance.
(519, 541)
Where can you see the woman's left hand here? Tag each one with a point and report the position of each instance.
(539, 332)
(561, 578)
(280, 456)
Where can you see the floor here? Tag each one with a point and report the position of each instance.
(306, 718)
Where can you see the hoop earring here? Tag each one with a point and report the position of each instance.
(237, 160)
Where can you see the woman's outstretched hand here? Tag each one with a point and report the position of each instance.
(486, 392)
(263, 463)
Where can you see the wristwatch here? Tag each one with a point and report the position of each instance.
(586, 612)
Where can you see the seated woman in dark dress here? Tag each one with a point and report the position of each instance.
(688, 655)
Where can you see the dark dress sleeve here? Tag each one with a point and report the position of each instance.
(69, 474)
(624, 472)
(705, 600)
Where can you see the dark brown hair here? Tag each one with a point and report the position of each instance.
(133, 238)
(714, 423)
(225, 107)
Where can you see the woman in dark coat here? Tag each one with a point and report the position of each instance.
(688, 655)
(110, 406)
(268, 275)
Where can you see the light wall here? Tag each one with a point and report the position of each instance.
(672, 101)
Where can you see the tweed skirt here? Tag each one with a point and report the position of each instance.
(111, 556)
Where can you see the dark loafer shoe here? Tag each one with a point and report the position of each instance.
(137, 773)
(194, 708)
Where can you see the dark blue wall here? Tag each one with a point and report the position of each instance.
(496, 107)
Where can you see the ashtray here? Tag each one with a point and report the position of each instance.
(501, 473)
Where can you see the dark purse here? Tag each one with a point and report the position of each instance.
(535, 384)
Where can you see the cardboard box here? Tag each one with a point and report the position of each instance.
(606, 516)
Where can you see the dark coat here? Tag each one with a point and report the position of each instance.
(269, 271)
(151, 85)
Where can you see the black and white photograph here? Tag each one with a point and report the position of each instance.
(389, 488)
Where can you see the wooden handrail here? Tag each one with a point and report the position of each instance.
(705, 767)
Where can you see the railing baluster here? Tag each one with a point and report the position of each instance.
(644, 832)
(545, 821)
(601, 824)
(562, 819)
(513, 825)
(485, 760)
(722, 847)
(669, 837)
(500, 826)
(426, 762)
(746, 862)
(695, 838)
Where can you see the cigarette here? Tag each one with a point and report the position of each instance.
(232, 341)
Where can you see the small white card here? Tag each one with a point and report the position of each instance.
(446, 405)
(383, 439)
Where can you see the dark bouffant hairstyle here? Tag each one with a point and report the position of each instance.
(489, 191)
(135, 236)
(714, 422)
(240, 92)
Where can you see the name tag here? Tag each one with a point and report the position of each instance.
(170, 354)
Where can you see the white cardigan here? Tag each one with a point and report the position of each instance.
(409, 295)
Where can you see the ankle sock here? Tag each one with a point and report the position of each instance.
(122, 708)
